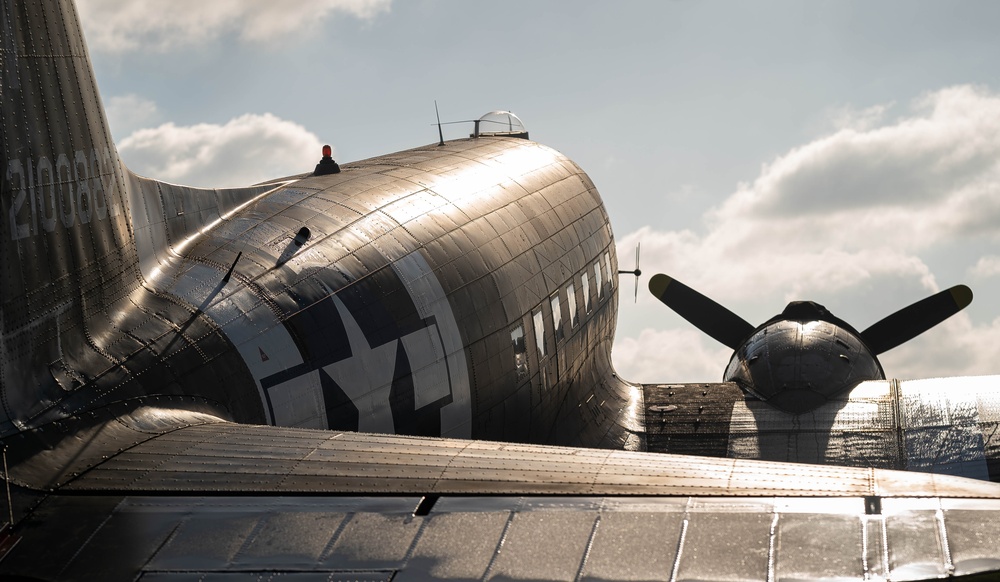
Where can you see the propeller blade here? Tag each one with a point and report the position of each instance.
(715, 320)
(911, 321)
(637, 273)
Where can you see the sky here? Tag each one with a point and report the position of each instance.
(760, 152)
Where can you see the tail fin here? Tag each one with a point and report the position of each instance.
(67, 250)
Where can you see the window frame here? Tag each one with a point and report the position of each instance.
(557, 327)
(574, 313)
(538, 321)
(599, 280)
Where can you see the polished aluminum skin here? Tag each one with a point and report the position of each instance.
(312, 379)
(398, 312)
(193, 497)
(797, 365)
(326, 538)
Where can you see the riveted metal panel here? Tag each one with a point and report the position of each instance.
(370, 541)
(633, 545)
(916, 539)
(724, 546)
(457, 545)
(970, 538)
(529, 550)
(807, 547)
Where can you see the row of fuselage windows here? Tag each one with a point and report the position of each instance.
(600, 273)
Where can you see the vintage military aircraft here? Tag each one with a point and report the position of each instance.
(360, 372)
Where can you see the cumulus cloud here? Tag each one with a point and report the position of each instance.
(957, 347)
(127, 113)
(863, 205)
(988, 266)
(936, 170)
(246, 150)
(849, 117)
(115, 27)
(670, 355)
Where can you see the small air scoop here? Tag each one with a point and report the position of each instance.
(326, 165)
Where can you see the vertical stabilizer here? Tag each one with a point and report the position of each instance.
(68, 254)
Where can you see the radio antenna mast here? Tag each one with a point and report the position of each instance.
(440, 133)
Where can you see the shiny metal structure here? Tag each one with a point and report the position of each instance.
(396, 314)
(323, 377)
(193, 497)
(946, 425)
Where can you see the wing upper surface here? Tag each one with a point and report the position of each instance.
(177, 495)
(199, 454)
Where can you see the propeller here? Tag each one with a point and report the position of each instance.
(707, 315)
(730, 329)
(636, 272)
(911, 321)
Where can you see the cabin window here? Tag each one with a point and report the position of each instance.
(607, 267)
(540, 333)
(574, 316)
(598, 280)
(520, 352)
(585, 286)
(557, 317)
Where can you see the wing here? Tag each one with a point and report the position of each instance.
(942, 425)
(176, 494)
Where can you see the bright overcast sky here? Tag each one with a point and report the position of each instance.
(843, 152)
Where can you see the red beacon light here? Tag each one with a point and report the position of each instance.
(326, 165)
